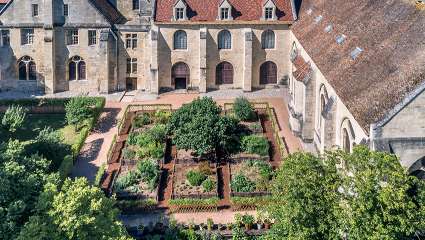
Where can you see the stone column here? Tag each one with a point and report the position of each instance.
(307, 134)
(247, 63)
(48, 71)
(154, 86)
(203, 60)
(103, 74)
(329, 131)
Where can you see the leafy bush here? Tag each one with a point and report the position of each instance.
(129, 154)
(142, 120)
(158, 133)
(99, 175)
(148, 170)
(243, 109)
(49, 144)
(162, 116)
(66, 166)
(126, 181)
(264, 169)
(255, 144)
(78, 109)
(13, 118)
(241, 183)
(195, 178)
(151, 150)
(144, 139)
(132, 138)
(208, 185)
(248, 219)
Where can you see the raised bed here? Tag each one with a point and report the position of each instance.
(250, 170)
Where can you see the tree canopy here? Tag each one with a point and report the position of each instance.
(362, 195)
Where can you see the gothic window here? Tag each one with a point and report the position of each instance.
(224, 40)
(346, 145)
(77, 69)
(4, 38)
(92, 37)
(72, 37)
(268, 39)
(180, 40)
(131, 40)
(268, 73)
(347, 136)
(27, 69)
(27, 36)
(224, 73)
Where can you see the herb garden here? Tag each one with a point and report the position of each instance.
(200, 157)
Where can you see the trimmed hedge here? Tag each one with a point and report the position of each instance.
(66, 166)
(99, 175)
(35, 102)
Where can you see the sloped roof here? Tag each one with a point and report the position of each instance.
(108, 10)
(392, 64)
(303, 69)
(207, 10)
(3, 1)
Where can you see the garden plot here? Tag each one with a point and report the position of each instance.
(250, 178)
(142, 155)
(195, 180)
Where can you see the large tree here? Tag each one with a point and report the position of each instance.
(362, 195)
(74, 211)
(200, 127)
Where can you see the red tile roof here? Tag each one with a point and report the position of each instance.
(303, 69)
(3, 1)
(207, 10)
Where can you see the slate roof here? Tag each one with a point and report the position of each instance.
(392, 64)
(207, 10)
(108, 10)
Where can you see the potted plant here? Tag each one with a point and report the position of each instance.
(260, 220)
(229, 226)
(210, 224)
(248, 221)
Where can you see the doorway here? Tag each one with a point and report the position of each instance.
(180, 75)
(131, 84)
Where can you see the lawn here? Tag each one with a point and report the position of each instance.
(34, 123)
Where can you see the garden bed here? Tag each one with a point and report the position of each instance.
(250, 178)
(195, 181)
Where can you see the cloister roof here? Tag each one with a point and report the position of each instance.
(379, 57)
(243, 10)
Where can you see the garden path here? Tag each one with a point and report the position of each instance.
(95, 149)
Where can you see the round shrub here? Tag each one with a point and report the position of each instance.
(162, 116)
(158, 133)
(125, 181)
(208, 185)
(142, 120)
(195, 178)
(240, 183)
(148, 170)
(243, 109)
(255, 144)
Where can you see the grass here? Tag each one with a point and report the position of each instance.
(34, 123)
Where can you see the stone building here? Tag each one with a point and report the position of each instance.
(355, 71)
(358, 77)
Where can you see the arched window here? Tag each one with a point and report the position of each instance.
(268, 73)
(346, 145)
(77, 68)
(27, 68)
(224, 73)
(180, 40)
(268, 39)
(224, 40)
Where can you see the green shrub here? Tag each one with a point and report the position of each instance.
(158, 133)
(49, 144)
(13, 118)
(162, 116)
(142, 120)
(144, 139)
(151, 150)
(132, 138)
(99, 175)
(208, 185)
(243, 109)
(255, 144)
(195, 178)
(125, 181)
(241, 183)
(129, 154)
(148, 170)
(263, 168)
(79, 109)
(66, 166)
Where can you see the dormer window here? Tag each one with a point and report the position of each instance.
(225, 10)
(269, 10)
(179, 13)
(268, 13)
(224, 14)
(180, 8)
